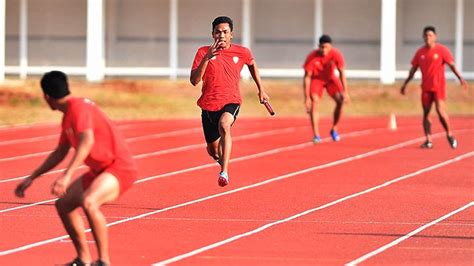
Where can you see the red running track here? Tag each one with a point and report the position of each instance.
(375, 195)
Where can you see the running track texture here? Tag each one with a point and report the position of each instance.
(373, 198)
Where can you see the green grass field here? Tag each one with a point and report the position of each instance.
(21, 101)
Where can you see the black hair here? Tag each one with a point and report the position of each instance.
(223, 19)
(429, 28)
(325, 39)
(54, 84)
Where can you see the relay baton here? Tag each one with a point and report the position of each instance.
(269, 107)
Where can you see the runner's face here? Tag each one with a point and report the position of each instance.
(325, 48)
(223, 34)
(50, 102)
(429, 37)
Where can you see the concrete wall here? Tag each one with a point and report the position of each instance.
(56, 32)
(137, 30)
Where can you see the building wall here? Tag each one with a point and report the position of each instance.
(137, 33)
(137, 30)
(468, 54)
(56, 32)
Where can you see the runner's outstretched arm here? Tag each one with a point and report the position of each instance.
(52, 161)
(456, 72)
(262, 95)
(410, 76)
(342, 77)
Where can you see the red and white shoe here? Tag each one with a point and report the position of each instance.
(223, 179)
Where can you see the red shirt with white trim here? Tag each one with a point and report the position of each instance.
(431, 63)
(220, 83)
(109, 146)
(323, 67)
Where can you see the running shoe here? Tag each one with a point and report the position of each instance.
(223, 179)
(100, 263)
(77, 262)
(316, 139)
(334, 135)
(453, 142)
(427, 145)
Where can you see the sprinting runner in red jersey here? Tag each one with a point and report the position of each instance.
(218, 66)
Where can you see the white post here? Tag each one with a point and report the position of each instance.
(23, 38)
(388, 41)
(95, 41)
(458, 42)
(318, 21)
(173, 48)
(246, 23)
(2, 40)
(246, 31)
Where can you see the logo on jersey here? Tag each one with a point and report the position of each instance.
(236, 59)
(422, 57)
(87, 101)
(435, 56)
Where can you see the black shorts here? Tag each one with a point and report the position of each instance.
(210, 121)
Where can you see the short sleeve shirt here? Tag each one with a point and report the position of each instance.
(109, 146)
(323, 67)
(220, 83)
(431, 63)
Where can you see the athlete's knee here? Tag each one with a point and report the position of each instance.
(89, 203)
(225, 126)
(339, 99)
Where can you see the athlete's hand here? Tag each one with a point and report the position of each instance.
(403, 89)
(308, 104)
(346, 97)
(464, 84)
(263, 96)
(20, 189)
(59, 186)
(213, 49)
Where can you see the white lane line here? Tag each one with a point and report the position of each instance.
(25, 156)
(202, 145)
(29, 140)
(177, 149)
(405, 237)
(131, 139)
(37, 138)
(332, 203)
(28, 205)
(191, 169)
(327, 165)
(164, 134)
(253, 156)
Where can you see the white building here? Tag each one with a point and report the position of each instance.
(100, 38)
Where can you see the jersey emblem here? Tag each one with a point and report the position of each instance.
(435, 56)
(236, 59)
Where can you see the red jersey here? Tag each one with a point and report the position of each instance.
(109, 146)
(323, 67)
(220, 83)
(431, 62)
